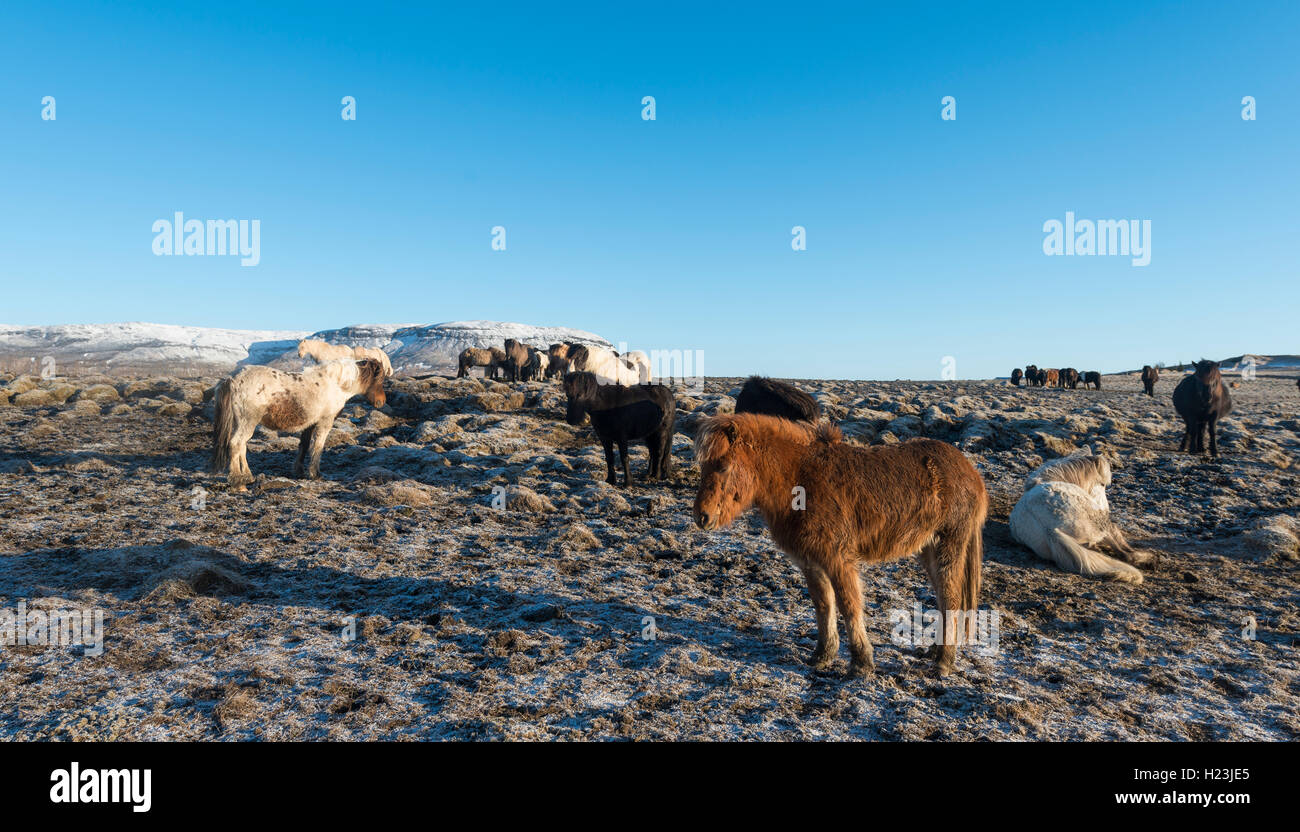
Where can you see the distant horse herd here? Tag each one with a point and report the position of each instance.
(830, 506)
(1066, 377)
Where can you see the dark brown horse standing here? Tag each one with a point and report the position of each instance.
(1092, 377)
(776, 398)
(1149, 377)
(1016, 375)
(860, 505)
(1202, 399)
(1031, 375)
(1070, 378)
(516, 359)
(620, 414)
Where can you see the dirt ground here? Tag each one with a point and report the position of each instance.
(392, 599)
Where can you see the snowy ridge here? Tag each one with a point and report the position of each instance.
(138, 347)
(167, 349)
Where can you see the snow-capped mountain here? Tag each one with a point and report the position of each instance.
(143, 348)
(130, 348)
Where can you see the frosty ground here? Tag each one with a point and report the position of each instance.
(228, 615)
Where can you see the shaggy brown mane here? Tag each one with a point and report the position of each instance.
(718, 433)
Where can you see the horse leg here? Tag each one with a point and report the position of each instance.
(1186, 444)
(848, 597)
(1114, 539)
(655, 452)
(627, 463)
(240, 473)
(946, 565)
(320, 432)
(666, 449)
(1212, 425)
(611, 477)
(304, 442)
(823, 598)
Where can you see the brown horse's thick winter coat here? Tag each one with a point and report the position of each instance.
(832, 506)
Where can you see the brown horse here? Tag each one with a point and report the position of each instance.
(474, 357)
(859, 505)
(1150, 375)
(1031, 375)
(1070, 378)
(1052, 379)
(516, 359)
(559, 359)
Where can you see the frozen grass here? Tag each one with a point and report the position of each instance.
(228, 621)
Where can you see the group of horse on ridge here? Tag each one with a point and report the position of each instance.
(1066, 377)
(830, 506)
(522, 362)
(1201, 398)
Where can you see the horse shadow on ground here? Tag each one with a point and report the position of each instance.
(135, 575)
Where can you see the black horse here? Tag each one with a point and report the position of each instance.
(1202, 399)
(620, 414)
(1092, 377)
(776, 398)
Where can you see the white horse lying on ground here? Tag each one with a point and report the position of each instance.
(606, 366)
(308, 402)
(324, 351)
(1064, 511)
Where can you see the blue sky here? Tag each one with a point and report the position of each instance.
(924, 236)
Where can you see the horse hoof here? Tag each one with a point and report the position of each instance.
(944, 668)
(821, 661)
(859, 669)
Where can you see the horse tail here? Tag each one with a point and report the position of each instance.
(223, 427)
(972, 571)
(1072, 557)
(974, 568)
